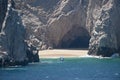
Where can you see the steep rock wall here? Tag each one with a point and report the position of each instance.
(51, 23)
(65, 18)
(13, 48)
(59, 17)
(3, 9)
(35, 16)
(12, 45)
(104, 19)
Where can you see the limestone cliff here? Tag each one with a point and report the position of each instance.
(60, 24)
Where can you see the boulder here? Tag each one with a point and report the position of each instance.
(32, 54)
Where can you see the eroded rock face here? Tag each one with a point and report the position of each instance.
(62, 24)
(100, 19)
(12, 45)
(3, 10)
(68, 18)
(12, 38)
(104, 36)
(47, 25)
(35, 16)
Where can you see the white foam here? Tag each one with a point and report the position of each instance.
(91, 56)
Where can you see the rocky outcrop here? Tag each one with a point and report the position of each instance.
(41, 21)
(32, 54)
(97, 19)
(3, 10)
(12, 45)
(12, 38)
(104, 18)
(59, 24)
(68, 22)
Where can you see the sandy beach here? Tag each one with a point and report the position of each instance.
(66, 53)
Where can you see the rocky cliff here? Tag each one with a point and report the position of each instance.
(104, 21)
(60, 24)
(13, 47)
(12, 35)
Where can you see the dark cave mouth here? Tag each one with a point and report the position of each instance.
(81, 42)
(76, 38)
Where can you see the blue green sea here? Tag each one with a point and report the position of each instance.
(69, 69)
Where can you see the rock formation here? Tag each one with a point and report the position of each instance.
(59, 24)
(3, 10)
(104, 21)
(12, 37)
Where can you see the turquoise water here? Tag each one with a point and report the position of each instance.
(69, 69)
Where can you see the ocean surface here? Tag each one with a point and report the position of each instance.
(69, 69)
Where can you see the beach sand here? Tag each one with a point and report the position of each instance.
(66, 53)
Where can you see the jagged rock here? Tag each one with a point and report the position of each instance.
(68, 23)
(64, 22)
(12, 38)
(104, 36)
(32, 54)
(44, 24)
(60, 24)
(3, 10)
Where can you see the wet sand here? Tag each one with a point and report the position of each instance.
(66, 53)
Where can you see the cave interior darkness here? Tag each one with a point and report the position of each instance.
(75, 38)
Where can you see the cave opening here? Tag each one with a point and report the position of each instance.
(79, 42)
(76, 38)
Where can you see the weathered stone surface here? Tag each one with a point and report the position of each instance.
(60, 24)
(12, 38)
(32, 54)
(70, 17)
(104, 36)
(12, 45)
(47, 25)
(3, 10)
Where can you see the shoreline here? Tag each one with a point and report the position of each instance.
(57, 53)
(66, 53)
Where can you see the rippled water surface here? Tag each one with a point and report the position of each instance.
(69, 69)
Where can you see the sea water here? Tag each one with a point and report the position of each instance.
(69, 69)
